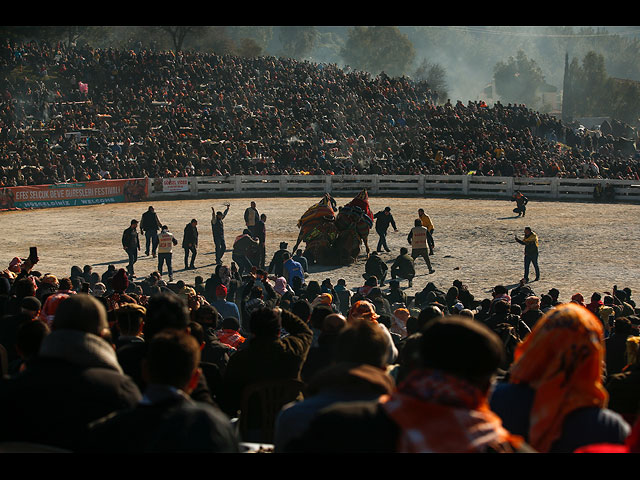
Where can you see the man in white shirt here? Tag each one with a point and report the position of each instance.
(166, 241)
(418, 240)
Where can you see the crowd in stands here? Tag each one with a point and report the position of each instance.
(79, 113)
(98, 362)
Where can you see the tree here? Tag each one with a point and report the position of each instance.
(297, 41)
(378, 49)
(434, 75)
(519, 80)
(180, 33)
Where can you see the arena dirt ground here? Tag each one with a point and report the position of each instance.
(584, 247)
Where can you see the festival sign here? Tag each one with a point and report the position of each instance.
(175, 184)
(74, 194)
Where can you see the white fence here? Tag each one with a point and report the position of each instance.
(394, 185)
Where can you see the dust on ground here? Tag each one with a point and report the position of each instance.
(584, 247)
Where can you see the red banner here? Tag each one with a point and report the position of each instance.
(74, 194)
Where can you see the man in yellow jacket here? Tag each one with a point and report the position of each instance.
(530, 242)
(428, 224)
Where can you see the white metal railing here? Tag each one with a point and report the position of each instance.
(403, 185)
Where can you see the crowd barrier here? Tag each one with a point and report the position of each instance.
(563, 189)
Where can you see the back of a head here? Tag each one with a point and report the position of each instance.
(130, 318)
(197, 332)
(333, 324)
(468, 350)
(622, 326)
(231, 323)
(81, 312)
(165, 310)
(501, 307)
(430, 312)
(29, 337)
(265, 323)
(302, 309)
(172, 358)
(362, 341)
(318, 314)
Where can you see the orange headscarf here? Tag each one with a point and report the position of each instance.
(561, 359)
(362, 309)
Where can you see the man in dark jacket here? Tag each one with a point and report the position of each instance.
(190, 244)
(149, 225)
(375, 267)
(165, 311)
(403, 267)
(131, 245)
(383, 220)
(74, 380)
(616, 346)
(217, 229)
(268, 356)
(356, 372)
(168, 420)
(276, 266)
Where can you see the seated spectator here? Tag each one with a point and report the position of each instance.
(302, 260)
(224, 307)
(230, 334)
(321, 354)
(129, 322)
(168, 420)
(616, 346)
(440, 407)
(78, 374)
(357, 373)
(29, 338)
(269, 356)
(164, 311)
(554, 399)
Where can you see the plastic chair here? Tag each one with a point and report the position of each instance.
(261, 403)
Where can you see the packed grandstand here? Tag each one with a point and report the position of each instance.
(74, 114)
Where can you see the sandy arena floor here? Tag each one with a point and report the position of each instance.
(584, 247)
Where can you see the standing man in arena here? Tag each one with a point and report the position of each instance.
(190, 244)
(166, 241)
(383, 220)
(251, 217)
(428, 224)
(149, 225)
(530, 242)
(417, 238)
(261, 233)
(217, 228)
(131, 245)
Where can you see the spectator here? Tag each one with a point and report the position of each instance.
(77, 372)
(419, 416)
(555, 400)
(168, 420)
(357, 373)
(268, 355)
